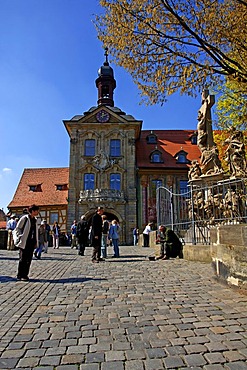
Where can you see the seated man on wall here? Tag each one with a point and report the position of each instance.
(170, 245)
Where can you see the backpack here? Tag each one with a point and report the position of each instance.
(82, 228)
(105, 227)
(17, 233)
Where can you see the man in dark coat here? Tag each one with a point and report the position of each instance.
(82, 231)
(26, 235)
(96, 234)
(170, 245)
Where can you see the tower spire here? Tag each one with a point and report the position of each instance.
(105, 83)
(106, 63)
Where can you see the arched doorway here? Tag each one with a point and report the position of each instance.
(111, 216)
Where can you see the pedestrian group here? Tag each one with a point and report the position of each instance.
(31, 239)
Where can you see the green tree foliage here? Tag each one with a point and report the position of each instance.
(232, 106)
(176, 45)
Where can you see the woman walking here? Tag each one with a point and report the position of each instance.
(114, 236)
(55, 235)
(42, 241)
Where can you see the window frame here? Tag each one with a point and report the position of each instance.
(117, 181)
(182, 154)
(89, 151)
(151, 139)
(158, 154)
(35, 188)
(115, 150)
(185, 189)
(193, 139)
(87, 182)
(53, 217)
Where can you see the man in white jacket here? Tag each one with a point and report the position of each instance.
(26, 239)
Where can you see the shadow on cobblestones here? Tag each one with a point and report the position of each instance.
(120, 259)
(65, 280)
(5, 279)
(9, 258)
(53, 258)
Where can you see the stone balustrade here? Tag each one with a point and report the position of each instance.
(102, 195)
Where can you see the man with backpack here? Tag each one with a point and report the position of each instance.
(82, 231)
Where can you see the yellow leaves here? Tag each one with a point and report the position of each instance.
(219, 139)
(175, 46)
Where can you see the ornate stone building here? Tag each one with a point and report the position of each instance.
(102, 169)
(113, 163)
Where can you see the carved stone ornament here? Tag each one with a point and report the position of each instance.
(194, 171)
(102, 195)
(235, 154)
(102, 161)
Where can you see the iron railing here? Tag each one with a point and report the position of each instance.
(193, 213)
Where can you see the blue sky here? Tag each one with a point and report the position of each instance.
(49, 58)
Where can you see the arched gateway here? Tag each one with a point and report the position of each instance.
(110, 216)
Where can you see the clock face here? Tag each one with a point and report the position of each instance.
(102, 116)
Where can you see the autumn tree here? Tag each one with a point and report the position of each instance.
(177, 45)
(232, 106)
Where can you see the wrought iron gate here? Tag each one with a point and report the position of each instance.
(191, 214)
(173, 211)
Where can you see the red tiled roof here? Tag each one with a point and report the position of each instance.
(169, 143)
(49, 195)
(3, 224)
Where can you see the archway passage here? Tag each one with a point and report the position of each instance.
(110, 216)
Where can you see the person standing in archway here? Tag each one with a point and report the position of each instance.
(82, 232)
(96, 234)
(105, 229)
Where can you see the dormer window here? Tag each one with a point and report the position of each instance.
(61, 187)
(181, 157)
(193, 139)
(151, 138)
(156, 157)
(35, 188)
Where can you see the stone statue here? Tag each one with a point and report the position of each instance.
(210, 163)
(102, 161)
(231, 202)
(194, 171)
(235, 153)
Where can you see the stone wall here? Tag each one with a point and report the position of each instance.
(229, 254)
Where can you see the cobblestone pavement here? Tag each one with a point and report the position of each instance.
(121, 314)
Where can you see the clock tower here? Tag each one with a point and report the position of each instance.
(102, 169)
(105, 83)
